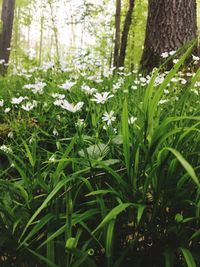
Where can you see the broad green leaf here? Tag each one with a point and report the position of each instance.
(29, 155)
(112, 215)
(50, 250)
(141, 209)
(109, 242)
(186, 165)
(42, 258)
(188, 257)
(126, 136)
(167, 79)
(149, 91)
(63, 164)
(95, 152)
(54, 235)
(196, 234)
(179, 218)
(46, 201)
(100, 192)
(39, 225)
(169, 258)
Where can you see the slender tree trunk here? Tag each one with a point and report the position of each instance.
(41, 39)
(117, 33)
(55, 31)
(124, 39)
(7, 17)
(16, 36)
(170, 25)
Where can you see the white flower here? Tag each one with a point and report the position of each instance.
(163, 101)
(29, 106)
(59, 96)
(47, 65)
(183, 81)
(37, 88)
(58, 102)
(134, 87)
(195, 58)
(166, 91)
(101, 98)
(31, 140)
(52, 158)
(67, 85)
(109, 117)
(143, 80)
(55, 132)
(58, 117)
(17, 101)
(5, 149)
(10, 135)
(164, 54)
(174, 80)
(80, 123)
(132, 120)
(105, 128)
(115, 130)
(28, 86)
(68, 106)
(2, 61)
(118, 84)
(137, 81)
(159, 79)
(1, 103)
(175, 61)
(172, 53)
(7, 110)
(24, 75)
(197, 84)
(88, 90)
(195, 91)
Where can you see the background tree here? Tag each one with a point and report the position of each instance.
(170, 25)
(7, 17)
(124, 38)
(117, 33)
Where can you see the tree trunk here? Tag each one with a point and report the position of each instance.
(170, 25)
(124, 39)
(117, 33)
(7, 17)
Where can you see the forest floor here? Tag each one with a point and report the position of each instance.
(99, 169)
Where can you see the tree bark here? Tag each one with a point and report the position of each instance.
(170, 25)
(7, 17)
(117, 33)
(124, 39)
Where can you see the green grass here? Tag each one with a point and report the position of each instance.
(92, 193)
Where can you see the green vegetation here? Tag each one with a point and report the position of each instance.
(100, 170)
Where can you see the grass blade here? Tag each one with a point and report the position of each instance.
(113, 214)
(186, 165)
(188, 257)
(125, 135)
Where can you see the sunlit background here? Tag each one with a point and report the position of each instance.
(65, 29)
